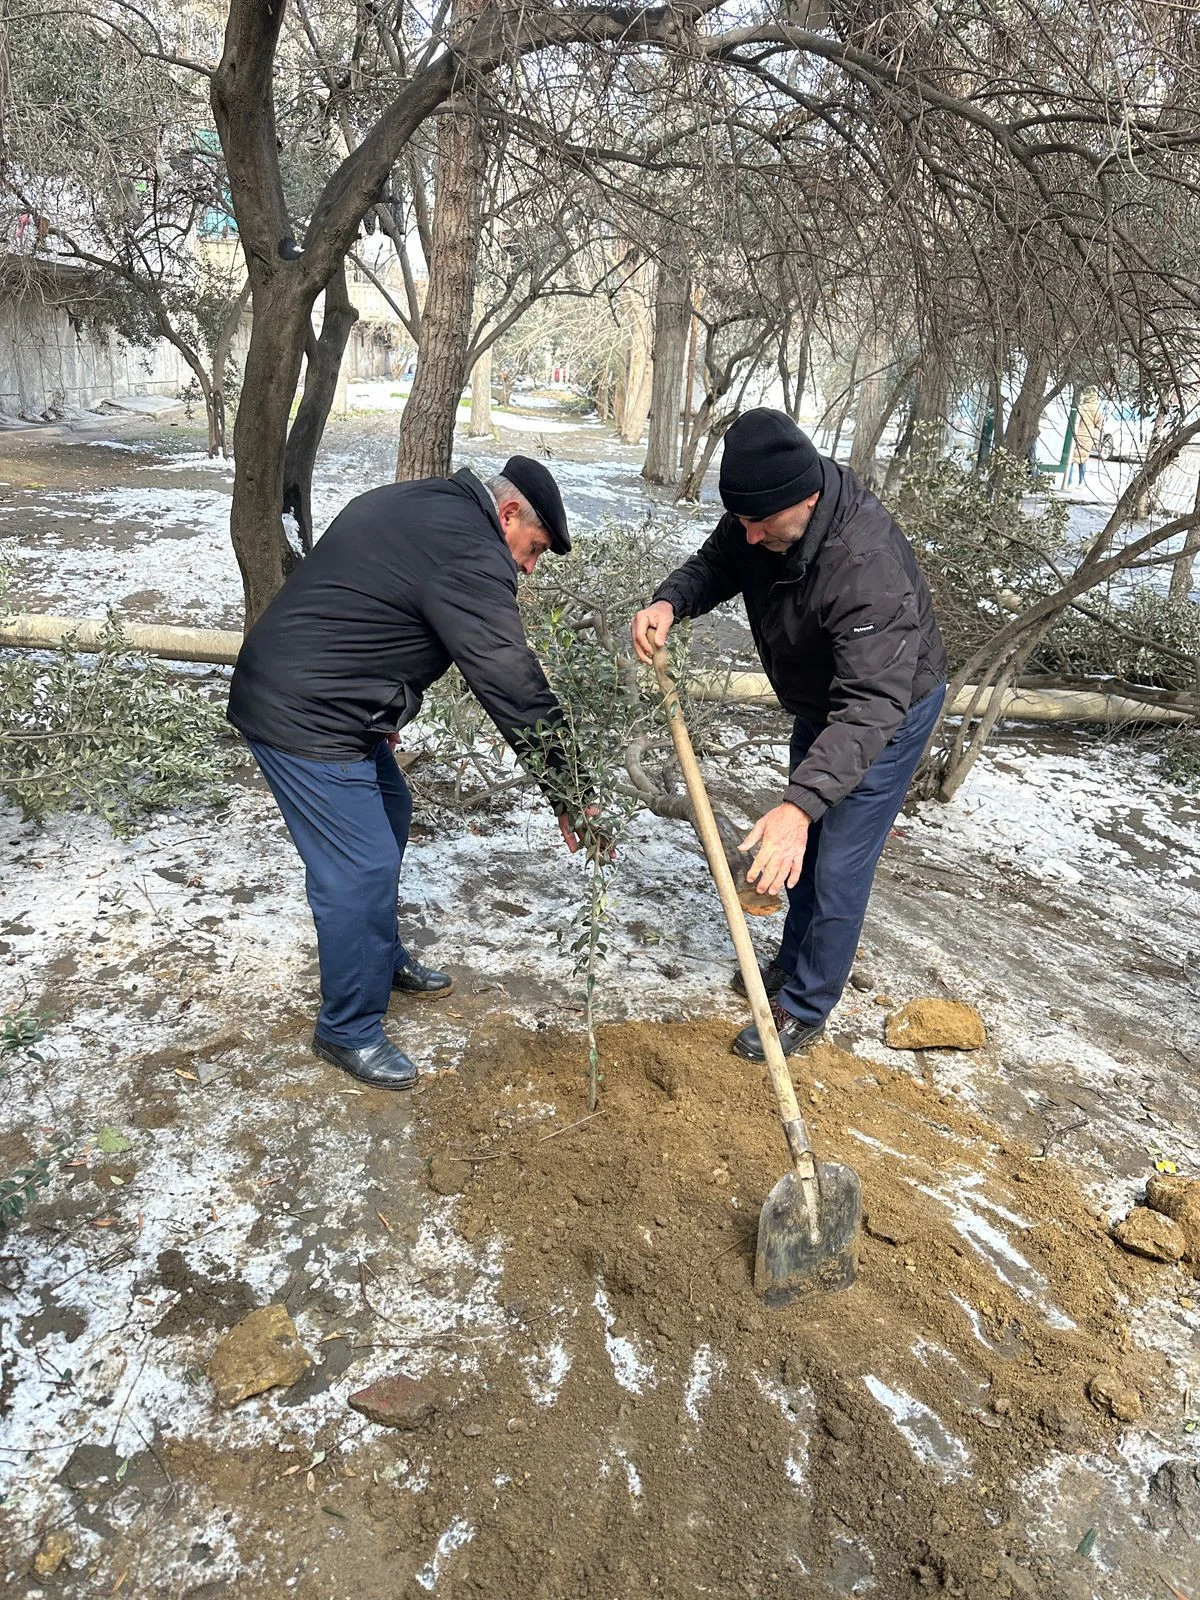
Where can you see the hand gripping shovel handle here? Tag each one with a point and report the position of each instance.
(803, 1160)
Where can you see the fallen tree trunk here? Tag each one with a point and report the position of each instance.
(171, 644)
(1026, 704)
(220, 648)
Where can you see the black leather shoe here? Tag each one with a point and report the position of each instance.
(424, 982)
(381, 1065)
(793, 1035)
(773, 976)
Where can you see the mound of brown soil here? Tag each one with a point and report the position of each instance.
(688, 1441)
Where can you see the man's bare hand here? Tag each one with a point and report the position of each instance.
(781, 838)
(584, 831)
(658, 617)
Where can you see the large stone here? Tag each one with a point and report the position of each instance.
(1148, 1234)
(1109, 1393)
(52, 1552)
(397, 1402)
(1179, 1199)
(933, 1024)
(262, 1351)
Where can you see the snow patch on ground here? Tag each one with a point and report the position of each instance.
(926, 1434)
(631, 1370)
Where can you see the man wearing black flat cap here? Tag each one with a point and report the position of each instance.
(844, 626)
(408, 579)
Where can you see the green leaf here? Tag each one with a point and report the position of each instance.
(111, 1141)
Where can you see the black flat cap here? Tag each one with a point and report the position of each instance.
(539, 488)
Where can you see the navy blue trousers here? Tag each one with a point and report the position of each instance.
(828, 905)
(349, 820)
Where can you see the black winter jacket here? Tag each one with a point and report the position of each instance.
(407, 579)
(843, 623)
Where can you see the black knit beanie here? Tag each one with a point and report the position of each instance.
(768, 465)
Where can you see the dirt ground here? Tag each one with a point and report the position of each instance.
(632, 1421)
(618, 1415)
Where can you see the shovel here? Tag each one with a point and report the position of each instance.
(808, 1226)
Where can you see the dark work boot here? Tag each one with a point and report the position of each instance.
(381, 1065)
(424, 982)
(793, 1035)
(773, 976)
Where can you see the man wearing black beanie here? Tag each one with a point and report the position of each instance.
(844, 626)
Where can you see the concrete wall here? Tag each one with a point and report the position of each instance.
(45, 362)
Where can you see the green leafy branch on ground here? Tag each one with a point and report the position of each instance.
(21, 1031)
(114, 734)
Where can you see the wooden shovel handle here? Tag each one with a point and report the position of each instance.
(706, 827)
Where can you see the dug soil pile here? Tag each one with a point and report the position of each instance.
(687, 1441)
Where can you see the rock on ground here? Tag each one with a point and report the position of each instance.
(52, 1552)
(1179, 1199)
(1148, 1234)
(933, 1024)
(397, 1402)
(1173, 1500)
(262, 1351)
(1109, 1393)
(446, 1175)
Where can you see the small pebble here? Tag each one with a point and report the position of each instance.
(471, 1430)
(884, 1000)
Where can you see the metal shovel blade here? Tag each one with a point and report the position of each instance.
(799, 1252)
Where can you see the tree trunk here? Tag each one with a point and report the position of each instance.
(672, 313)
(929, 410)
(895, 467)
(869, 412)
(800, 379)
(689, 377)
(847, 402)
(1183, 569)
(697, 429)
(1025, 418)
(632, 400)
(692, 481)
(884, 413)
(427, 426)
(217, 419)
(259, 441)
(1146, 502)
(320, 386)
(481, 397)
